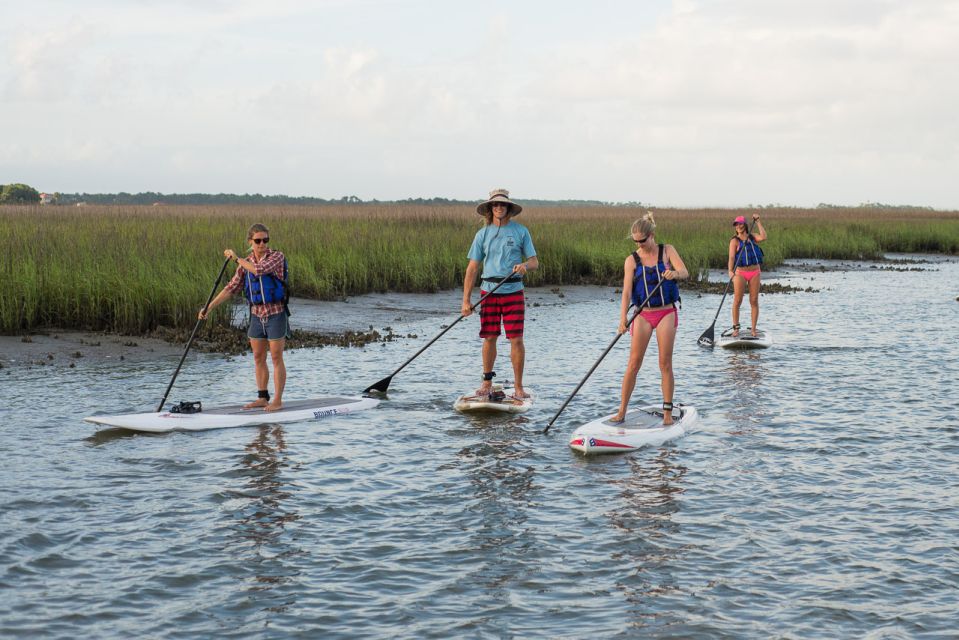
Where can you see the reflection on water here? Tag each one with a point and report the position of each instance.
(744, 373)
(502, 484)
(262, 518)
(422, 522)
(111, 434)
(648, 495)
(648, 502)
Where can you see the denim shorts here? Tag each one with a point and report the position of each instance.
(275, 327)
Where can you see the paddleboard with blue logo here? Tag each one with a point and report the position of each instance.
(642, 427)
(198, 418)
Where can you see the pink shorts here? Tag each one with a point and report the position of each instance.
(749, 275)
(655, 316)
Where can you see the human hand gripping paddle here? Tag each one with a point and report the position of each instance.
(193, 335)
(708, 337)
(384, 384)
(608, 349)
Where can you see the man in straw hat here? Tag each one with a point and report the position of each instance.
(503, 247)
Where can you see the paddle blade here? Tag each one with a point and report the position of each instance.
(380, 386)
(708, 337)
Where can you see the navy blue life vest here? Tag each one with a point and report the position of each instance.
(646, 279)
(751, 255)
(266, 288)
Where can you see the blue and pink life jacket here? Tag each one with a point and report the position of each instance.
(646, 279)
(749, 255)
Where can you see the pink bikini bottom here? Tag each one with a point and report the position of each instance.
(654, 317)
(749, 275)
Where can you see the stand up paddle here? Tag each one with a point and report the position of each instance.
(384, 384)
(193, 335)
(708, 337)
(608, 349)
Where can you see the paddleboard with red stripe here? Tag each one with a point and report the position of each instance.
(642, 427)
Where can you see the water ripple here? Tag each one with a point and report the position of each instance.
(815, 498)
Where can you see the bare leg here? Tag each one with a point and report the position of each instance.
(517, 354)
(754, 301)
(665, 339)
(489, 359)
(642, 332)
(279, 374)
(739, 288)
(260, 371)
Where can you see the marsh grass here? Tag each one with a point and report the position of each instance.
(132, 269)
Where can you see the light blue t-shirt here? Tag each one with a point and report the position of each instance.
(500, 249)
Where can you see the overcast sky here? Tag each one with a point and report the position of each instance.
(683, 103)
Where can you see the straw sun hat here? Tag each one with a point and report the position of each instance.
(499, 196)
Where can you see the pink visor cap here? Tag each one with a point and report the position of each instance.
(739, 220)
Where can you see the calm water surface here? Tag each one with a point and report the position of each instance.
(817, 498)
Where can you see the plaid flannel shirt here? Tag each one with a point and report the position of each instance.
(272, 263)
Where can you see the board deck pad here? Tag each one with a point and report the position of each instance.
(288, 407)
(235, 415)
(641, 427)
(509, 404)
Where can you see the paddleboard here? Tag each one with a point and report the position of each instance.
(486, 404)
(642, 427)
(235, 415)
(745, 340)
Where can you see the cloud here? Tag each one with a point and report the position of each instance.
(745, 99)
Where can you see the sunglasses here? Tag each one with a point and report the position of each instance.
(259, 240)
(641, 240)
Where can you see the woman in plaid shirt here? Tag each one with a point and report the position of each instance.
(262, 279)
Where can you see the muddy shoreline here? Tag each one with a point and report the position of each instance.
(357, 321)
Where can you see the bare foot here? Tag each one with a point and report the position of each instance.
(616, 419)
(484, 389)
(735, 333)
(256, 404)
(274, 405)
(519, 393)
(753, 331)
(667, 419)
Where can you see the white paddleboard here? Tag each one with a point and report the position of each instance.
(745, 340)
(235, 415)
(642, 427)
(484, 404)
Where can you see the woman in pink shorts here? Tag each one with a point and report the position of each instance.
(744, 247)
(649, 283)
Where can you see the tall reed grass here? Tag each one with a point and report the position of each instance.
(131, 269)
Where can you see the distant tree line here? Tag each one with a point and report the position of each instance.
(18, 194)
(153, 197)
(874, 205)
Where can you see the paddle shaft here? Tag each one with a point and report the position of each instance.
(712, 326)
(383, 384)
(608, 349)
(193, 335)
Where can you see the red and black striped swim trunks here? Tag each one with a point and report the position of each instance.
(508, 308)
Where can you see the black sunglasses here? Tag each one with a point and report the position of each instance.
(641, 240)
(263, 240)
